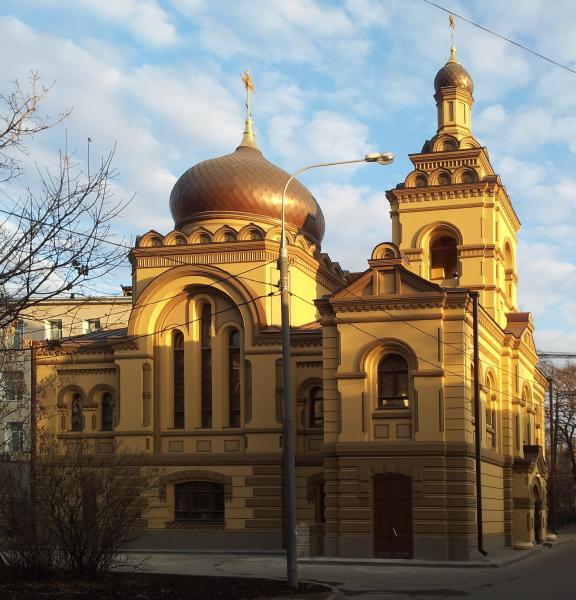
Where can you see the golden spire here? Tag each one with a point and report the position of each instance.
(453, 58)
(248, 139)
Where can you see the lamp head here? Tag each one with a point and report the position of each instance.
(382, 158)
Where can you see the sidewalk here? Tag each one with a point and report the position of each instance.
(501, 558)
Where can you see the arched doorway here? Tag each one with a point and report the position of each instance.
(392, 520)
(537, 515)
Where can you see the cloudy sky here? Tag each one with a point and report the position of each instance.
(334, 80)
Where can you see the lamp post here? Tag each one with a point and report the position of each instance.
(288, 431)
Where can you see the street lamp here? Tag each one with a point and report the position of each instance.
(288, 431)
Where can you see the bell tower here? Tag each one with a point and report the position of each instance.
(452, 216)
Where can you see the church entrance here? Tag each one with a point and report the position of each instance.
(392, 503)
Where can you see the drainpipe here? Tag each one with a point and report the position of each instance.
(477, 432)
(552, 490)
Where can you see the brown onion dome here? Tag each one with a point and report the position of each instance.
(453, 74)
(244, 182)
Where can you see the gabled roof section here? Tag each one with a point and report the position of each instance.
(518, 322)
(383, 279)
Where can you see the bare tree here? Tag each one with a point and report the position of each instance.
(83, 511)
(562, 436)
(54, 229)
(53, 235)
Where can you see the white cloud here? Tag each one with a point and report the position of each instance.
(145, 19)
(357, 219)
(326, 136)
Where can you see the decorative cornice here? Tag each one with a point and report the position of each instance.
(88, 371)
(309, 364)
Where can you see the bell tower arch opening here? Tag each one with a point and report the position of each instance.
(443, 257)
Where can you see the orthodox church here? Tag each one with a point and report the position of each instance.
(382, 363)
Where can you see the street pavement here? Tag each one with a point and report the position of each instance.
(548, 573)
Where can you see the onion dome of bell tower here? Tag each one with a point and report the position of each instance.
(453, 89)
(453, 74)
(244, 185)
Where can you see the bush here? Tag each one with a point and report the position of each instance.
(73, 512)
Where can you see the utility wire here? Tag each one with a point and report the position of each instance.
(502, 37)
(434, 364)
(124, 309)
(163, 299)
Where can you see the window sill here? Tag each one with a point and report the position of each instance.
(195, 525)
(391, 413)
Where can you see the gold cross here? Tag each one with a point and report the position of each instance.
(452, 26)
(249, 85)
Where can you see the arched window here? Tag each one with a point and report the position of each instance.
(468, 177)
(443, 258)
(76, 416)
(199, 501)
(206, 365)
(316, 409)
(229, 236)
(420, 181)
(204, 238)
(107, 412)
(443, 179)
(491, 415)
(320, 503)
(234, 378)
(392, 382)
(178, 365)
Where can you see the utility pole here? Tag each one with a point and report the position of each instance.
(289, 430)
(552, 491)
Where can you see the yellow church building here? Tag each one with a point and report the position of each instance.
(382, 364)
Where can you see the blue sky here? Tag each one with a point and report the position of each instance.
(334, 80)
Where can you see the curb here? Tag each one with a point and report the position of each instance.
(496, 563)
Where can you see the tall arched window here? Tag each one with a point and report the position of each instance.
(107, 412)
(443, 258)
(76, 416)
(316, 407)
(206, 365)
(234, 378)
(392, 382)
(178, 364)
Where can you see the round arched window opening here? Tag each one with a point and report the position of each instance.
(443, 258)
(420, 181)
(393, 382)
(234, 379)
(468, 177)
(443, 179)
(316, 407)
(107, 408)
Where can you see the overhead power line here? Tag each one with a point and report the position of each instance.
(502, 37)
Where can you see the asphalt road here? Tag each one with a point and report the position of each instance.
(547, 574)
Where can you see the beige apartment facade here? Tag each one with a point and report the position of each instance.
(382, 364)
(46, 321)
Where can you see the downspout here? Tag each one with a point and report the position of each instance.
(477, 432)
(552, 490)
